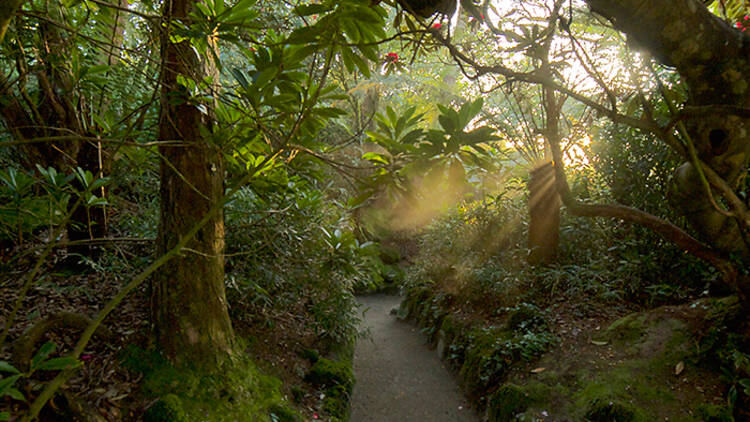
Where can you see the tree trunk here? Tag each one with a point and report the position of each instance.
(55, 107)
(714, 61)
(189, 306)
(544, 213)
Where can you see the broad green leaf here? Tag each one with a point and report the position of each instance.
(361, 65)
(58, 364)
(240, 77)
(16, 395)
(375, 158)
(7, 383)
(313, 9)
(352, 30)
(346, 55)
(330, 112)
(7, 367)
(47, 349)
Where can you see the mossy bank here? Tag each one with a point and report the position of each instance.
(526, 364)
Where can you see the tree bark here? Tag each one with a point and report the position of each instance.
(57, 106)
(8, 9)
(714, 61)
(544, 215)
(189, 306)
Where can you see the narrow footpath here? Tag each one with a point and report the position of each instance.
(399, 378)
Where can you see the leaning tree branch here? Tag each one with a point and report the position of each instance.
(8, 9)
(663, 228)
(539, 78)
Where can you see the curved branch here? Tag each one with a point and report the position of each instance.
(663, 228)
(8, 9)
(539, 78)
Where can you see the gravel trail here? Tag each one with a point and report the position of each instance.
(400, 379)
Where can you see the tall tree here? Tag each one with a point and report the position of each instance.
(709, 130)
(714, 61)
(189, 305)
(51, 99)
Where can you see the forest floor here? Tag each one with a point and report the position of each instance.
(399, 378)
(605, 363)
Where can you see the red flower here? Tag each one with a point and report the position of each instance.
(86, 358)
(437, 26)
(391, 57)
(744, 24)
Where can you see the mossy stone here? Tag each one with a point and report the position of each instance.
(508, 401)
(329, 373)
(628, 329)
(310, 354)
(479, 371)
(336, 401)
(282, 414)
(524, 314)
(412, 304)
(714, 413)
(389, 255)
(166, 409)
(603, 410)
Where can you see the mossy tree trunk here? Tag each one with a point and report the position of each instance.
(544, 215)
(189, 307)
(714, 61)
(48, 102)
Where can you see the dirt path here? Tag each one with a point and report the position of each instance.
(399, 379)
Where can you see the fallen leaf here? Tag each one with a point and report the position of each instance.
(598, 343)
(679, 368)
(538, 370)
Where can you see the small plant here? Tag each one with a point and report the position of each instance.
(41, 361)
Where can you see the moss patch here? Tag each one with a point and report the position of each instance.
(167, 409)
(328, 373)
(511, 400)
(336, 380)
(602, 410)
(236, 391)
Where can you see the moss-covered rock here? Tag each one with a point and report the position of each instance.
(411, 306)
(328, 373)
(525, 316)
(507, 402)
(605, 410)
(279, 413)
(482, 368)
(336, 380)
(311, 355)
(336, 401)
(167, 409)
(629, 329)
(714, 413)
